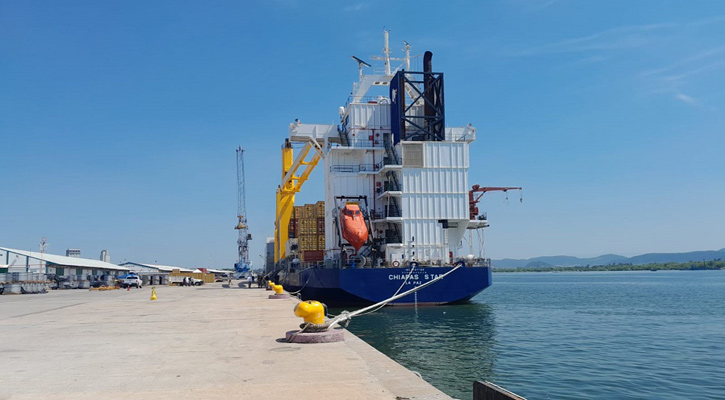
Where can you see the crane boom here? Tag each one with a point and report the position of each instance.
(243, 264)
(473, 199)
(291, 184)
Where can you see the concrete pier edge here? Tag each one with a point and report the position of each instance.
(201, 342)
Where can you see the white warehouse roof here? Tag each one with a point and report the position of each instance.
(219, 271)
(162, 268)
(69, 261)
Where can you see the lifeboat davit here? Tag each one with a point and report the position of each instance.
(353, 226)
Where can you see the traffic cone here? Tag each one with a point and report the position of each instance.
(128, 288)
(153, 293)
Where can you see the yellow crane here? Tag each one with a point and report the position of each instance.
(290, 185)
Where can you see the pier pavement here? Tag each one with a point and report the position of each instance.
(206, 342)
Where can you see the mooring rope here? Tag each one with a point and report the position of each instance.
(346, 315)
(412, 268)
(297, 293)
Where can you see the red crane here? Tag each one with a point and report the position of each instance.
(473, 200)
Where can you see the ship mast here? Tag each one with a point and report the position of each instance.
(386, 51)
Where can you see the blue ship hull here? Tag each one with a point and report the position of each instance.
(362, 286)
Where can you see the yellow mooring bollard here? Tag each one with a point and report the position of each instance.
(278, 292)
(153, 292)
(278, 289)
(315, 328)
(312, 311)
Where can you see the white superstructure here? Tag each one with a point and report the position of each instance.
(410, 181)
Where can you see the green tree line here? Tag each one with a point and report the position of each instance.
(692, 265)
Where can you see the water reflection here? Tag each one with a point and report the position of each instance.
(451, 346)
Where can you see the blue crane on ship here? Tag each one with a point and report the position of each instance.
(243, 265)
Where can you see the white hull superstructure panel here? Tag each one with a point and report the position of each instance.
(434, 188)
(368, 116)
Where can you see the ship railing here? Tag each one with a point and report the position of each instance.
(363, 143)
(387, 160)
(390, 213)
(354, 168)
(389, 186)
(312, 265)
(367, 100)
(392, 188)
(392, 239)
(465, 134)
(482, 262)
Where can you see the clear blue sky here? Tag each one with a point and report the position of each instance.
(119, 120)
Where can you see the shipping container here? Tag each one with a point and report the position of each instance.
(308, 242)
(312, 255)
(304, 227)
(307, 212)
(320, 209)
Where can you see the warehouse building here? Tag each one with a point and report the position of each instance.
(31, 261)
(143, 268)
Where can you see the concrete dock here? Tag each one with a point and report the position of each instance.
(192, 343)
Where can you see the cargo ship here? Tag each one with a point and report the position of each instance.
(397, 203)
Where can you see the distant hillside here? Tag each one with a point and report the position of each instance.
(538, 264)
(607, 259)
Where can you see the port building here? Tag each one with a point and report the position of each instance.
(144, 268)
(31, 261)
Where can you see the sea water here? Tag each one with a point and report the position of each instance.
(578, 335)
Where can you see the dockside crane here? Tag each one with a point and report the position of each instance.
(243, 265)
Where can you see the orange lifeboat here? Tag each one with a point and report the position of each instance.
(353, 226)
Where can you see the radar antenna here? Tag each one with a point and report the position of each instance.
(360, 64)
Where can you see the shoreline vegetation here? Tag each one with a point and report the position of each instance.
(671, 266)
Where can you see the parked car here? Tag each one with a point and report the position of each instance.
(132, 281)
(181, 280)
